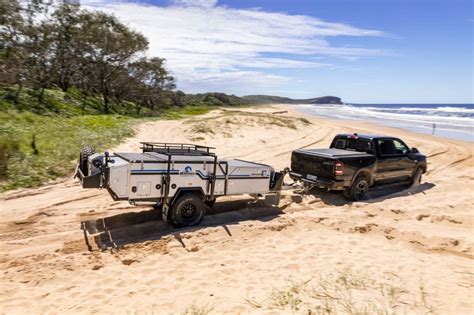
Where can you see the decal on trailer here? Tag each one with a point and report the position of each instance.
(188, 171)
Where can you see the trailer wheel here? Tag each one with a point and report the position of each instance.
(85, 153)
(188, 210)
(358, 189)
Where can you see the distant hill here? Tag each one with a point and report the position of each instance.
(269, 99)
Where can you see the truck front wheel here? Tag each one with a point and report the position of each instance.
(358, 190)
(188, 210)
(416, 179)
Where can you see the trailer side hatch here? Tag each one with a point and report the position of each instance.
(144, 188)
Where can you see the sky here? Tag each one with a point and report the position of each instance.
(364, 51)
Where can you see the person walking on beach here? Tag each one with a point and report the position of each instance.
(434, 129)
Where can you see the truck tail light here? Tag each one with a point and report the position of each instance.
(338, 168)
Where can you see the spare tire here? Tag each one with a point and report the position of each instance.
(85, 153)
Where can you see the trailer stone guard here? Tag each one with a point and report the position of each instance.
(183, 180)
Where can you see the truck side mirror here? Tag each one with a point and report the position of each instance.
(413, 150)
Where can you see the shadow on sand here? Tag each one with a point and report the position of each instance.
(376, 194)
(137, 227)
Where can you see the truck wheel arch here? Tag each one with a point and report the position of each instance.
(365, 173)
(422, 166)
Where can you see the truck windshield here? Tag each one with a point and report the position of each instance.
(353, 144)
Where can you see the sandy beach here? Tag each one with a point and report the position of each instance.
(401, 251)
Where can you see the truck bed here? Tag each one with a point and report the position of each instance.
(333, 153)
(320, 162)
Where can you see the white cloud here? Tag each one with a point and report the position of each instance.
(196, 3)
(207, 45)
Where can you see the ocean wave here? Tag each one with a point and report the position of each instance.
(426, 115)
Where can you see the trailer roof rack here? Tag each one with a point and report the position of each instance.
(177, 148)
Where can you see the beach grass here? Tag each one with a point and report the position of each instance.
(195, 309)
(349, 292)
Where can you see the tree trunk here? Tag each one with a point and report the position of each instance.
(16, 98)
(106, 103)
(41, 96)
(64, 87)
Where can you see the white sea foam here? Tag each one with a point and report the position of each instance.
(450, 121)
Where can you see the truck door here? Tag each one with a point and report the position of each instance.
(407, 162)
(388, 166)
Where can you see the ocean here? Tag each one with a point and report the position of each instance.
(455, 121)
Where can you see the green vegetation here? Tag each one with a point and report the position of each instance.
(36, 148)
(347, 292)
(269, 99)
(182, 112)
(40, 142)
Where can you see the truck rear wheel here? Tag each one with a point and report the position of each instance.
(85, 153)
(358, 190)
(188, 210)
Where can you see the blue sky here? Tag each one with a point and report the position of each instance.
(368, 51)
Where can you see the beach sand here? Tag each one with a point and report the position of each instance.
(407, 251)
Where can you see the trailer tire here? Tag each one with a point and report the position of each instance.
(188, 210)
(85, 153)
(358, 189)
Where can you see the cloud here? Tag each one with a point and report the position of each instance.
(196, 3)
(207, 45)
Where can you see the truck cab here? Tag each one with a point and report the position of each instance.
(353, 163)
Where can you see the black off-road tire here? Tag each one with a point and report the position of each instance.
(416, 179)
(358, 190)
(188, 210)
(85, 153)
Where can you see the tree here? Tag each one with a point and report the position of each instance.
(11, 52)
(67, 47)
(150, 83)
(40, 56)
(71, 47)
(109, 47)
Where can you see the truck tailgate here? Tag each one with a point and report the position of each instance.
(304, 163)
(320, 162)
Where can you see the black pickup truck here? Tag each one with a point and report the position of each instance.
(353, 163)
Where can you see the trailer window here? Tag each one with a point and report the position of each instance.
(353, 144)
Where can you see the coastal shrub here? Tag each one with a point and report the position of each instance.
(9, 148)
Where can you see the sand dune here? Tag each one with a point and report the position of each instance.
(408, 251)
